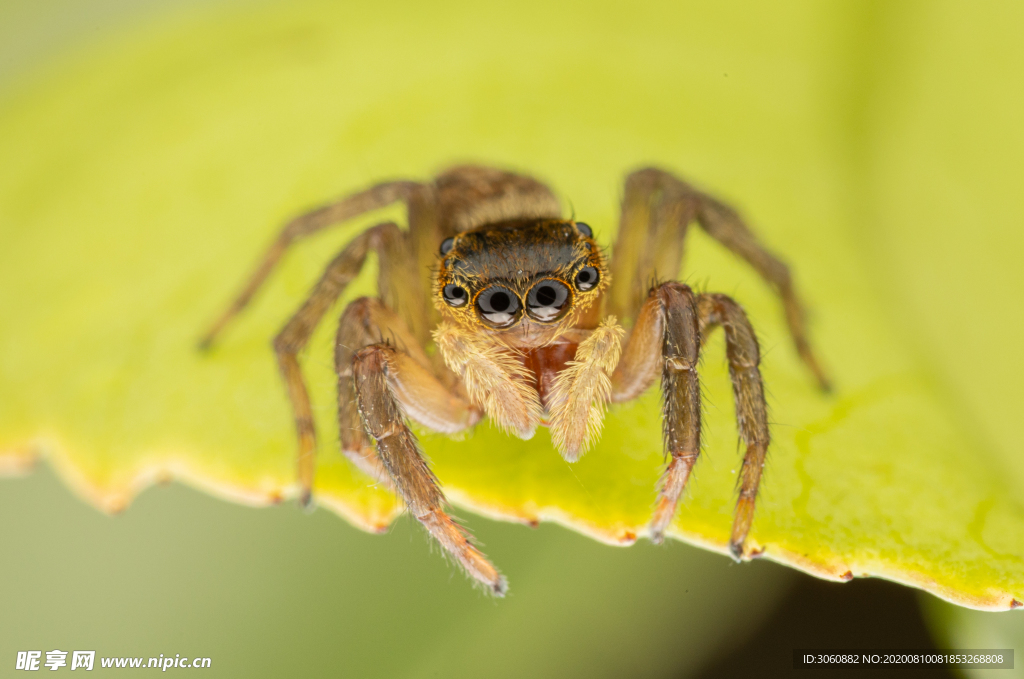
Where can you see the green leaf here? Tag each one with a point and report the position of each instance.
(151, 172)
(958, 628)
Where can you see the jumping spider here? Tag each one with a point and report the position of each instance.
(521, 306)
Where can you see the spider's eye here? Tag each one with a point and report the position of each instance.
(547, 301)
(455, 295)
(446, 245)
(587, 278)
(585, 229)
(499, 306)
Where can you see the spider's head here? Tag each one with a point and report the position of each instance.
(530, 279)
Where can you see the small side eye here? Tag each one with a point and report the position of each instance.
(446, 245)
(455, 295)
(585, 229)
(547, 301)
(587, 278)
(498, 306)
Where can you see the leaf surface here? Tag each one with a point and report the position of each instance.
(151, 172)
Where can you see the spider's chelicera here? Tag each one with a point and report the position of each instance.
(524, 310)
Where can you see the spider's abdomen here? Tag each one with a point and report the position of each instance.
(470, 196)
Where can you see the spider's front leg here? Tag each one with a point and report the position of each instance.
(744, 356)
(388, 241)
(383, 376)
(667, 338)
(656, 211)
(424, 399)
(666, 341)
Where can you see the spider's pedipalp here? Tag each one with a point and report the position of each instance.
(493, 378)
(581, 390)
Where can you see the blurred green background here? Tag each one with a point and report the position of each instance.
(918, 118)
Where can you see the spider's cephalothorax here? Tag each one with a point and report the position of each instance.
(523, 282)
(524, 311)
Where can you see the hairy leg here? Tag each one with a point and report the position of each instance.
(401, 457)
(656, 208)
(423, 398)
(387, 240)
(650, 242)
(666, 341)
(751, 410)
(311, 222)
(582, 389)
(494, 379)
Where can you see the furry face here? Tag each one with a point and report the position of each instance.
(524, 281)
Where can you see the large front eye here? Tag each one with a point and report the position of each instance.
(455, 295)
(547, 301)
(498, 306)
(587, 278)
